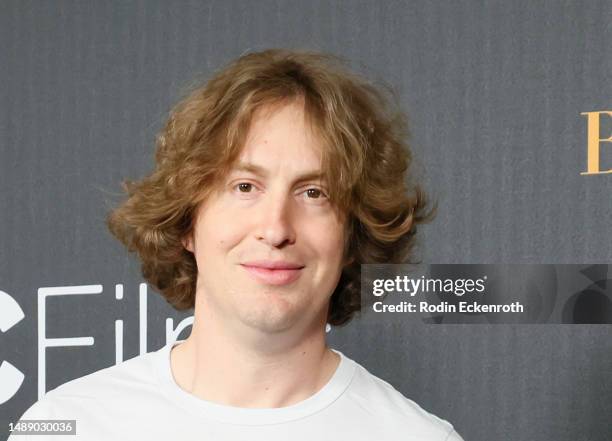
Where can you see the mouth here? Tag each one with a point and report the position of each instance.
(273, 276)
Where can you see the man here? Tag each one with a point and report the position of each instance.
(274, 183)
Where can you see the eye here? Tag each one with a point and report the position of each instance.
(315, 193)
(244, 187)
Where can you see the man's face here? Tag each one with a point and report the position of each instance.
(269, 211)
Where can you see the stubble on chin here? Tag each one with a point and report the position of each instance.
(266, 309)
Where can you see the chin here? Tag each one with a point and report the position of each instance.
(271, 315)
(269, 323)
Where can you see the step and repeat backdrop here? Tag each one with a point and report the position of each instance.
(509, 107)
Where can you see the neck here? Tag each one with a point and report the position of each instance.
(251, 368)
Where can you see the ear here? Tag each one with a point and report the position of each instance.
(187, 242)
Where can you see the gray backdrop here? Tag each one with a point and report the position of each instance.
(494, 92)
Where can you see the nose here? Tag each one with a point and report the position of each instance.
(275, 226)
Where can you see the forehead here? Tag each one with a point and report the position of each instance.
(281, 136)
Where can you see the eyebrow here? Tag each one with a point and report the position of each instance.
(261, 171)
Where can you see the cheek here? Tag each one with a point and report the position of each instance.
(329, 242)
(216, 237)
(223, 240)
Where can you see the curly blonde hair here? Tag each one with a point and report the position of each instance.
(365, 163)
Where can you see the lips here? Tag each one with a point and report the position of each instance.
(273, 273)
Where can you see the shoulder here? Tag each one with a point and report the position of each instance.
(393, 410)
(128, 381)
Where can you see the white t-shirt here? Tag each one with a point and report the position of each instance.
(140, 400)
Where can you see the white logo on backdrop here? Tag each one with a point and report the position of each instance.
(11, 378)
(11, 313)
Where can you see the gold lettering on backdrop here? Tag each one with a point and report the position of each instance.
(594, 142)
